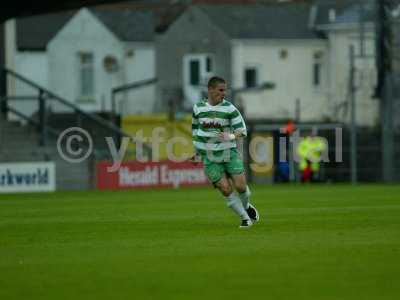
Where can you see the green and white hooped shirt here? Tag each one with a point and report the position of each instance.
(208, 121)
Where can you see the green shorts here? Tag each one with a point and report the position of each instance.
(232, 165)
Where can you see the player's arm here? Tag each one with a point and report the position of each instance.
(195, 126)
(195, 122)
(238, 126)
(239, 134)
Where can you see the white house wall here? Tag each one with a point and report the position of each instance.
(85, 33)
(139, 65)
(367, 108)
(293, 77)
(33, 66)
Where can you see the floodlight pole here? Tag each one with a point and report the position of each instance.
(353, 126)
(385, 55)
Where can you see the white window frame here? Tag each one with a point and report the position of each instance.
(204, 74)
(86, 89)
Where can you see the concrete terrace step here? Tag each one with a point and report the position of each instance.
(21, 144)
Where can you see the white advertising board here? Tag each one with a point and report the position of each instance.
(27, 177)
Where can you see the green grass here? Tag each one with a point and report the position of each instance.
(313, 242)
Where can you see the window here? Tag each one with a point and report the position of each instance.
(194, 66)
(317, 74)
(197, 69)
(283, 54)
(250, 77)
(316, 69)
(86, 78)
(208, 64)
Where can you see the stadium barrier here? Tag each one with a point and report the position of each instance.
(27, 177)
(167, 174)
(143, 126)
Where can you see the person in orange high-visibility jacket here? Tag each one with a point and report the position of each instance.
(310, 151)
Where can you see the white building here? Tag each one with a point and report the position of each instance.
(289, 45)
(297, 67)
(344, 27)
(81, 56)
(303, 49)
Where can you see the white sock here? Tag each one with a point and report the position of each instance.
(245, 197)
(236, 205)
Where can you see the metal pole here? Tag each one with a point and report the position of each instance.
(78, 119)
(362, 30)
(246, 154)
(3, 80)
(42, 118)
(3, 93)
(385, 85)
(113, 106)
(353, 127)
(387, 129)
(297, 111)
(292, 171)
(293, 168)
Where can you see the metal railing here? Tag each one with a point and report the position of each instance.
(44, 95)
(126, 87)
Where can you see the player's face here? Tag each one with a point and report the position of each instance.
(218, 92)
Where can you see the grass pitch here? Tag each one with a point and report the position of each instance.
(313, 242)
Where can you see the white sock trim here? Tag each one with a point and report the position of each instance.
(245, 197)
(236, 205)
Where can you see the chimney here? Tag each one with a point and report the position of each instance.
(332, 15)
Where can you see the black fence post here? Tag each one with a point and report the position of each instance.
(3, 92)
(246, 154)
(78, 119)
(42, 119)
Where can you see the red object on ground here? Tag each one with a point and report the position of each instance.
(306, 175)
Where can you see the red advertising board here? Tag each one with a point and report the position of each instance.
(150, 175)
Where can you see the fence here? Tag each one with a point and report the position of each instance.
(336, 165)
